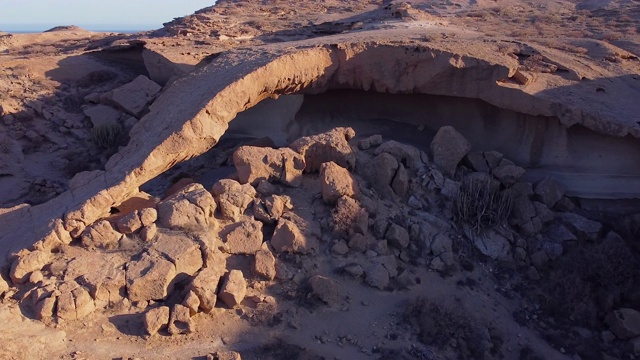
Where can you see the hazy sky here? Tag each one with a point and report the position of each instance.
(21, 15)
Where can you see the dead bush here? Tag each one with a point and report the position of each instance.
(482, 204)
(444, 326)
(591, 280)
(106, 136)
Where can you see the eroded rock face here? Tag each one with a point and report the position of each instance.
(204, 286)
(233, 198)
(192, 207)
(330, 146)
(27, 263)
(244, 237)
(101, 235)
(156, 319)
(282, 165)
(134, 97)
(150, 278)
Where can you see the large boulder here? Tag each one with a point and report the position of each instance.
(129, 223)
(448, 148)
(28, 262)
(104, 279)
(156, 319)
(330, 146)
(233, 289)
(190, 208)
(75, 304)
(256, 163)
(233, 198)
(397, 236)
(100, 235)
(180, 321)
(549, 192)
(404, 154)
(183, 252)
(265, 264)
(150, 278)
(336, 182)
(377, 276)
(244, 237)
(379, 173)
(205, 285)
(134, 97)
(271, 208)
(287, 237)
(581, 226)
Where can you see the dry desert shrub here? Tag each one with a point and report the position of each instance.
(482, 204)
(445, 326)
(106, 136)
(591, 280)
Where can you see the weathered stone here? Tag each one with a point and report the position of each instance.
(156, 319)
(404, 154)
(255, 164)
(129, 223)
(271, 209)
(542, 211)
(133, 97)
(324, 289)
(354, 270)
(233, 289)
(83, 302)
(373, 140)
(540, 260)
(183, 252)
(148, 216)
(102, 115)
(340, 248)
(335, 182)
(46, 307)
(148, 233)
(190, 208)
(477, 162)
(243, 238)
(27, 263)
(397, 236)
(548, 191)
(581, 226)
(287, 237)
(359, 242)
(266, 188)
(150, 278)
(377, 276)
(441, 243)
(508, 174)
(101, 235)
(559, 233)
(493, 244)
(493, 158)
(233, 198)
(624, 323)
(400, 183)
(552, 249)
(180, 321)
(406, 279)
(204, 286)
(265, 264)
(522, 211)
(450, 188)
(191, 301)
(66, 309)
(389, 262)
(448, 148)
(330, 146)
(379, 173)
(104, 279)
(4, 285)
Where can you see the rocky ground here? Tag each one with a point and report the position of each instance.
(337, 245)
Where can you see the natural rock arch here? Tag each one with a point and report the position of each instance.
(194, 112)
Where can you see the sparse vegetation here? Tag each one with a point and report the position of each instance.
(106, 136)
(482, 204)
(443, 326)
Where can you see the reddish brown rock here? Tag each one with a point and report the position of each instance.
(233, 289)
(243, 238)
(330, 146)
(255, 164)
(336, 182)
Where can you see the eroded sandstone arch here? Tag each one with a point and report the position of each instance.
(193, 113)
